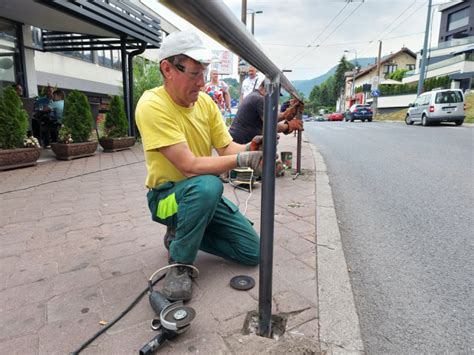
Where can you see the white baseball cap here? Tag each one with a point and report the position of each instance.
(187, 43)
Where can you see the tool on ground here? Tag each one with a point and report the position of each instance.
(242, 282)
(174, 318)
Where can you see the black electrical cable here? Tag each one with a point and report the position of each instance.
(128, 309)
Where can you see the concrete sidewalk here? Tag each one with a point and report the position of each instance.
(78, 245)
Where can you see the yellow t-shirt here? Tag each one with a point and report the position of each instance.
(162, 123)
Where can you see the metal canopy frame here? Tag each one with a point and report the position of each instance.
(121, 17)
(136, 31)
(216, 19)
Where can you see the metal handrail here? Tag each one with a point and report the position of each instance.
(217, 21)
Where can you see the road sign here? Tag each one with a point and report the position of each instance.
(375, 83)
(375, 93)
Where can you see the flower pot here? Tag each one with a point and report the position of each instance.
(18, 158)
(70, 151)
(115, 144)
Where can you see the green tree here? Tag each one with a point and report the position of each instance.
(233, 88)
(146, 76)
(77, 118)
(339, 78)
(116, 124)
(13, 120)
(398, 74)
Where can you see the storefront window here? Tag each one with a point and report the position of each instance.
(8, 53)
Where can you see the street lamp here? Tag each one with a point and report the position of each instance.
(253, 12)
(355, 70)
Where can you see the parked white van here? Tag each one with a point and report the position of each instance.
(437, 106)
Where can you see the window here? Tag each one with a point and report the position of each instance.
(458, 19)
(389, 68)
(448, 97)
(411, 66)
(83, 55)
(110, 58)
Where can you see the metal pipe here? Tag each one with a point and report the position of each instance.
(298, 147)
(268, 207)
(425, 49)
(126, 84)
(217, 20)
(131, 118)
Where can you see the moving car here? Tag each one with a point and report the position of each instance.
(336, 116)
(359, 112)
(437, 106)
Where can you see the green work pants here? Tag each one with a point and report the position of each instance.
(204, 219)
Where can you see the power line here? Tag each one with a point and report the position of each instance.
(337, 44)
(335, 29)
(320, 34)
(379, 37)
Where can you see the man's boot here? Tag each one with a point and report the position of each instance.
(177, 285)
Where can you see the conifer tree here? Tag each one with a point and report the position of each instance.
(77, 118)
(116, 124)
(13, 120)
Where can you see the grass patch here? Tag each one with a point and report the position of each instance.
(400, 114)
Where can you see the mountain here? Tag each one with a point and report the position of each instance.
(305, 86)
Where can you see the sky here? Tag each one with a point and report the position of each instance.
(310, 36)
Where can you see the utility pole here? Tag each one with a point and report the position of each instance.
(425, 49)
(244, 20)
(376, 98)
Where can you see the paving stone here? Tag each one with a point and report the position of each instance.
(120, 250)
(125, 287)
(38, 273)
(9, 264)
(297, 319)
(14, 249)
(26, 344)
(73, 260)
(19, 296)
(18, 321)
(141, 314)
(78, 279)
(128, 341)
(120, 266)
(290, 301)
(43, 240)
(65, 337)
(203, 344)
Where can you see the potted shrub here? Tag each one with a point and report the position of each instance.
(116, 128)
(16, 150)
(74, 139)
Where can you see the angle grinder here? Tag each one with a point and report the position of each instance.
(174, 317)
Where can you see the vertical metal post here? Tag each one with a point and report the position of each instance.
(298, 148)
(268, 207)
(126, 84)
(253, 22)
(23, 79)
(425, 49)
(131, 122)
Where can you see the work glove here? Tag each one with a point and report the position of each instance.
(289, 113)
(293, 125)
(255, 144)
(251, 160)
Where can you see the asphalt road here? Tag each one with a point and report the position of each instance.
(404, 199)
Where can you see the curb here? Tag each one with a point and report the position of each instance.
(339, 328)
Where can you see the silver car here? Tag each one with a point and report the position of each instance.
(437, 106)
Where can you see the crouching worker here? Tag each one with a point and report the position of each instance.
(179, 126)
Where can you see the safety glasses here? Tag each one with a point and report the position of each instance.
(193, 75)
